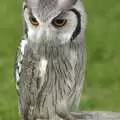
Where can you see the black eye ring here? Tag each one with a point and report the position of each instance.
(59, 22)
(33, 21)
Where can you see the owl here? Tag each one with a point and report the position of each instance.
(51, 59)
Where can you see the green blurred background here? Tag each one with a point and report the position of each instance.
(102, 86)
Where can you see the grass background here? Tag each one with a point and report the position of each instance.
(102, 86)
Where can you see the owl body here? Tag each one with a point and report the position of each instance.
(50, 63)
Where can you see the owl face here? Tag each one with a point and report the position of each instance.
(59, 21)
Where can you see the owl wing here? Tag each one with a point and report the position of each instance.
(18, 64)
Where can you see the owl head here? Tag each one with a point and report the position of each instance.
(59, 21)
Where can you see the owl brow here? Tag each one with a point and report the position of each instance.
(78, 27)
(61, 14)
(30, 13)
(74, 2)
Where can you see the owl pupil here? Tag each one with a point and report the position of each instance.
(33, 19)
(59, 22)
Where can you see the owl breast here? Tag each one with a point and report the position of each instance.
(49, 78)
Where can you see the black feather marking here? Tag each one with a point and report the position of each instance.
(78, 28)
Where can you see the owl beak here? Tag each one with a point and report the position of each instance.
(45, 32)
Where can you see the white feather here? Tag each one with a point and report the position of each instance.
(42, 67)
(22, 45)
(19, 61)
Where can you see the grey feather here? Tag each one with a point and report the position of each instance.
(52, 71)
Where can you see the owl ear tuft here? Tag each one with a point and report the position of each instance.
(66, 3)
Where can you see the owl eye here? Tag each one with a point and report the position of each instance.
(59, 22)
(33, 21)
